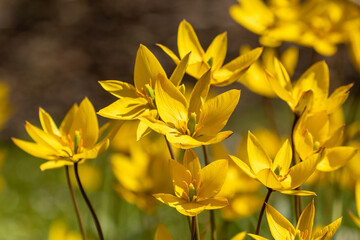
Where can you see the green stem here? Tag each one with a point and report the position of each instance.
(76, 206)
(96, 220)
(263, 211)
(211, 212)
(195, 235)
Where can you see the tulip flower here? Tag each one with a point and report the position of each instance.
(200, 61)
(310, 91)
(282, 229)
(73, 142)
(134, 101)
(276, 174)
(188, 124)
(195, 187)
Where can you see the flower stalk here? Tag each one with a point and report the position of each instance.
(263, 211)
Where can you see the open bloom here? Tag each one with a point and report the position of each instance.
(193, 123)
(134, 101)
(195, 187)
(320, 130)
(310, 91)
(282, 229)
(74, 141)
(277, 174)
(200, 61)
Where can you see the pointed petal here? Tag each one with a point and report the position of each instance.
(162, 233)
(86, 120)
(243, 166)
(327, 232)
(68, 120)
(93, 152)
(157, 125)
(217, 51)
(199, 94)
(125, 109)
(306, 220)
(170, 53)
(142, 130)
(35, 149)
(256, 237)
(179, 175)
(240, 236)
(191, 162)
(54, 164)
(147, 68)
(179, 71)
(297, 192)
(171, 104)
(269, 179)
(336, 158)
(289, 58)
(217, 111)
(212, 178)
(283, 158)
(244, 61)
(303, 170)
(188, 42)
(279, 225)
(43, 138)
(190, 208)
(258, 158)
(168, 199)
(48, 123)
(119, 89)
(214, 203)
(338, 97)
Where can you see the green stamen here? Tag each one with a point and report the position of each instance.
(150, 92)
(192, 191)
(77, 139)
(210, 62)
(192, 123)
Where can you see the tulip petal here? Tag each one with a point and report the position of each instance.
(68, 120)
(170, 53)
(217, 111)
(147, 68)
(191, 162)
(190, 208)
(243, 166)
(162, 233)
(327, 232)
(297, 192)
(35, 149)
(125, 109)
(256, 237)
(199, 94)
(258, 158)
(283, 158)
(217, 51)
(43, 138)
(280, 227)
(171, 104)
(119, 89)
(179, 174)
(48, 123)
(169, 199)
(212, 178)
(214, 203)
(54, 164)
(306, 220)
(157, 125)
(267, 177)
(178, 74)
(93, 152)
(336, 158)
(188, 42)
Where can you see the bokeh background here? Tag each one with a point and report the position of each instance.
(54, 52)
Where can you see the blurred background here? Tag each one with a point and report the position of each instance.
(54, 52)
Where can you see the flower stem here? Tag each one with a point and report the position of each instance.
(76, 206)
(211, 212)
(96, 220)
(262, 211)
(195, 235)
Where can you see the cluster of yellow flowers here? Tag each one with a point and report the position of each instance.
(318, 142)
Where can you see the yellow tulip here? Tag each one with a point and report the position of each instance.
(162, 233)
(60, 231)
(276, 174)
(195, 188)
(135, 101)
(189, 124)
(310, 91)
(74, 141)
(282, 229)
(200, 61)
(314, 131)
